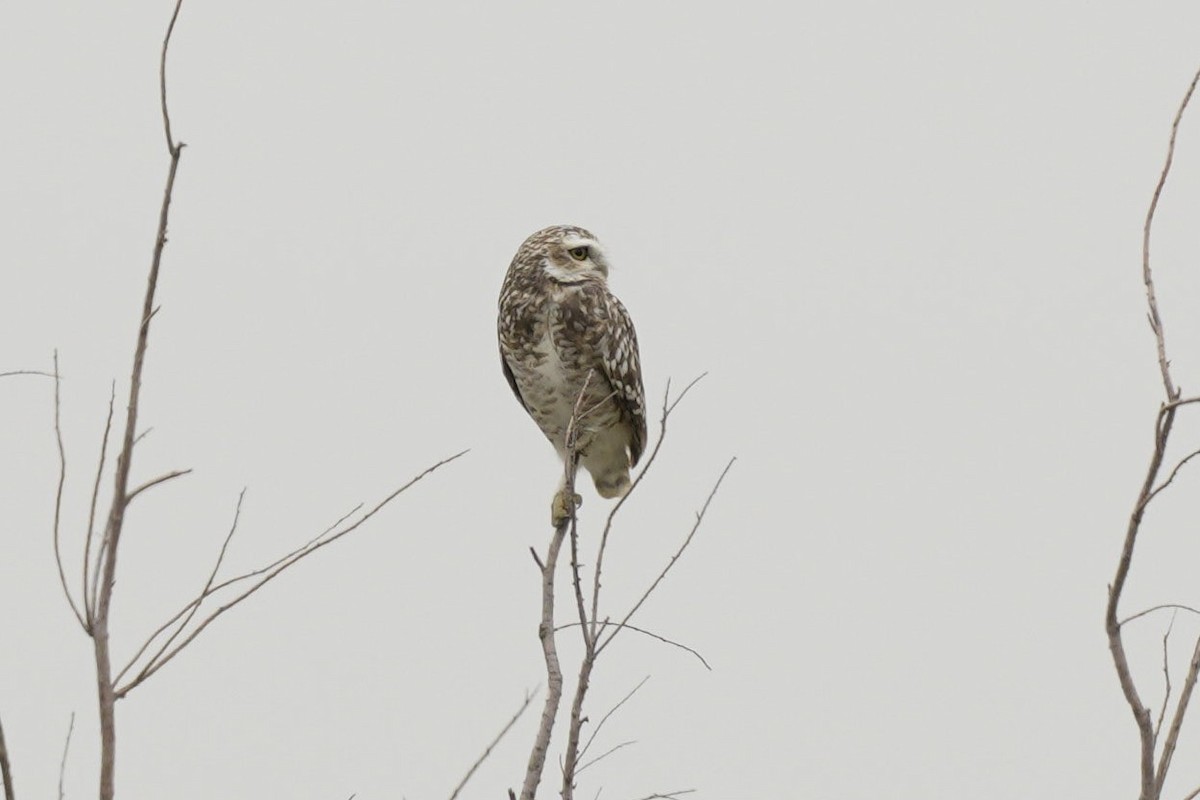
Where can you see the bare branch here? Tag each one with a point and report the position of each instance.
(610, 712)
(162, 83)
(541, 743)
(1171, 477)
(1176, 403)
(62, 478)
(496, 741)
(546, 630)
(1185, 696)
(189, 608)
(268, 576)
(667, 408)
(1162, 712)
(606, 753)
(6, 769)
(89, 592)
(27, 372)
(1176, 606)
(62, 767)
(155, 482)
(237, 515)
(1151, 781)
(1147, 276)
(695, 527)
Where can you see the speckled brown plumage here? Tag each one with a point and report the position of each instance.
(557, 321)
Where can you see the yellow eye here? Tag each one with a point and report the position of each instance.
(579, 253)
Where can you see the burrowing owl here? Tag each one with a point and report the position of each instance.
(558, 321)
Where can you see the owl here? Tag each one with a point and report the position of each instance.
(558, 322)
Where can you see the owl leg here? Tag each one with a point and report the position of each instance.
(563, 506)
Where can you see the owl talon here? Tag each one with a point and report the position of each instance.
(562, 506)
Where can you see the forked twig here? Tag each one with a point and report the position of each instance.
(1171, 477)
(237, 515)
(695, 527)
(166, 656)
(611, 711)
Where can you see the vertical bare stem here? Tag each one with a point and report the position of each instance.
(571, 756)
(110, 544)
(1151, 782)
(541, 744)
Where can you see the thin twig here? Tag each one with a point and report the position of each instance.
(6, 769)
(606, 623)
(1152, 609)
(496, 741)
(695, 527)
(606, 753)
(1185, 696)
(1147, 277)
(89, 592)
(62, 478)
(1171, 477)
(26, 372)
(610, 712)
(155, 482)
(162, 83)
(1166, 668)
(62, 767)
(255, 572)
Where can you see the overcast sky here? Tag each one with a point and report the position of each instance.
(902, 239)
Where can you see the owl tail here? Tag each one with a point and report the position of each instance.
(612, 484)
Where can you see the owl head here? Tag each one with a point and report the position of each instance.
(566, 254)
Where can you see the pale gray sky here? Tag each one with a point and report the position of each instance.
(903, 239)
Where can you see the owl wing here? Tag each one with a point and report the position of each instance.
(622, 367)
(512, 381)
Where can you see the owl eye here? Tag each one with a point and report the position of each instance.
(579, 253)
